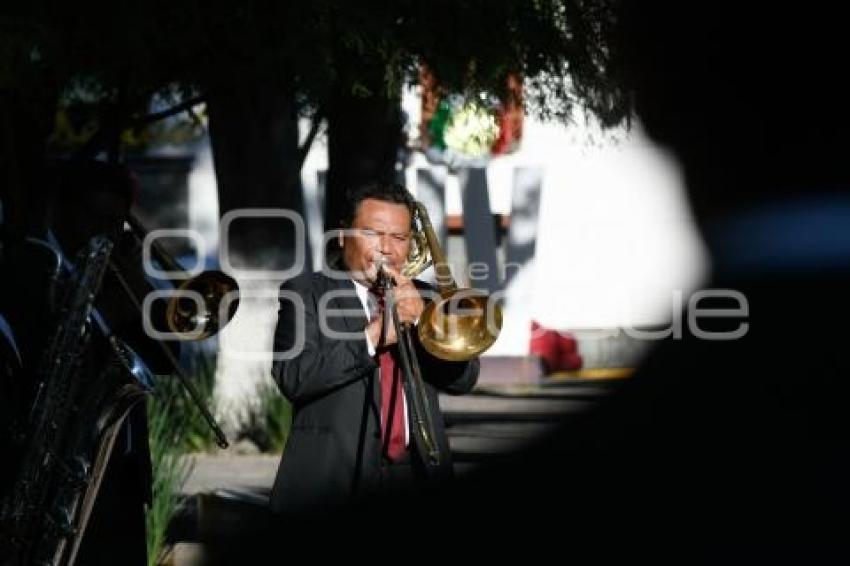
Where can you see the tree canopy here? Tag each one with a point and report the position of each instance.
(99, 65)
(120, 54)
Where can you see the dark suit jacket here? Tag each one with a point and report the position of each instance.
(333, 452)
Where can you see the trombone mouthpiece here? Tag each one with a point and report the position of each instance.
(383, 279)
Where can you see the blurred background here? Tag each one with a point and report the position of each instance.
(584, 231)
(510, 120)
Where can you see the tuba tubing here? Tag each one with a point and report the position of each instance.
(74, 419)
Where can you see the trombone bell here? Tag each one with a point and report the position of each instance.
(194, 321)
(185, 315)
(462, 323)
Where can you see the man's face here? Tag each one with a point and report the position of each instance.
(380, 229)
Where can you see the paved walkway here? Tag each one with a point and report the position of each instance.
(224, 470)
(482, 426)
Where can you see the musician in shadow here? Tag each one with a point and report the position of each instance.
(94, 198)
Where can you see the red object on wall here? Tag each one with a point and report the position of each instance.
(510, 116)
(557, 350)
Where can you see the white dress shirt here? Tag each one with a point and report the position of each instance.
(363, 295)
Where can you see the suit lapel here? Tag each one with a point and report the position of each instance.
(346, 300)
(345, 311)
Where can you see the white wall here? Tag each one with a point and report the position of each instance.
(615, 239)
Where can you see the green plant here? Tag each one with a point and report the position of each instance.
(196, 435)
(175, 428)
(170, 471)
(268, 422)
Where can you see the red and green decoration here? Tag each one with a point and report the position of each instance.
(464, 130)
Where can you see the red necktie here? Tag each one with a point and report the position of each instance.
(392, 402)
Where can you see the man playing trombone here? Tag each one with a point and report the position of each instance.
(363, 388)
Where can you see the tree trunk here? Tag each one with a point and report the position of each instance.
(26, 121)
(254, 138)
(364, 137)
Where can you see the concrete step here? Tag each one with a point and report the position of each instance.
(222, 470)
(506, 407)
(476, 445)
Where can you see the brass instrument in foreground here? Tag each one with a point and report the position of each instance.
(183, 316)
(72, 424)
(82, 395)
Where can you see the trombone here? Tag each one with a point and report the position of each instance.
(188, 319)
(463, 322)
(457, 326)
(182, 314)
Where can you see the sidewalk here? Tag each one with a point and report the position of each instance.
(484, 424)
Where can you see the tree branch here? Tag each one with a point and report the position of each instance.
(157, 116)
(311, 136)
(99, 137)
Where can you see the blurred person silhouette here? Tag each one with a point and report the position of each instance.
(94, 198)
(91, 198)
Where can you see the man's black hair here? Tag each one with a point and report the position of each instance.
(387, 192)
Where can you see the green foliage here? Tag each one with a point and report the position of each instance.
(267, 424)
(196, 435)
(175, 429)
(116, 57)
(75, 126)
(170, 472)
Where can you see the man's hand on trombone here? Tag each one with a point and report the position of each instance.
(409, 306)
